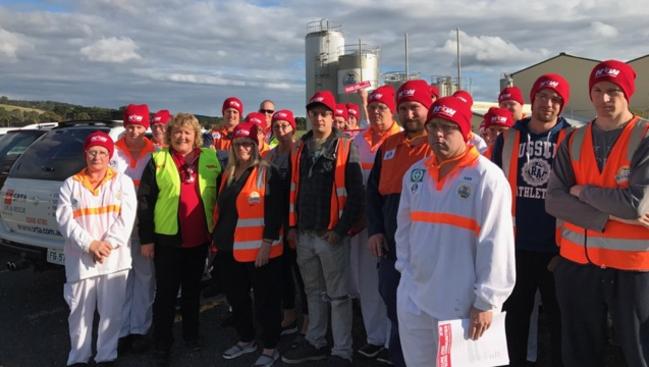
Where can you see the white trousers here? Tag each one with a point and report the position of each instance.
(417, 332)
(364, 284)
(137, 313)
(104, 293)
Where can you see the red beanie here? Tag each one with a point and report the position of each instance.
(434, 91)
(99, 139)
(161, 117)
(554, 82)
(233, 102)
(246, 129)
(284, 115)
(323, 97)
(616, 72)
(497, 116)
(341, 111)
(258, 119)
(136, 114)
(383, 94)
(415, 91)
(353, 110)
(454, 110)
(464, 96)
(511, 94)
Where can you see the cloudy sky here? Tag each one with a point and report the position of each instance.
(190, 55)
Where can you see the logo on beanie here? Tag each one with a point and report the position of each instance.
(498, 119)
(548, 84)
(157, 118)
(135, 118)
(281, 115)
(375, 97)
(98, 139)
(407, 93)
(317, 99)
(352, 112)
(600, 73)
(462, 99)
(339, 111)
(445, 110)
(242, 133)
(255, 120)
(234, 104)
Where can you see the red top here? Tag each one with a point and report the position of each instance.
(191, 214)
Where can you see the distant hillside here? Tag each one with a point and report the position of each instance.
(19, 113)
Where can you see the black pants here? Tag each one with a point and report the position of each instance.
(267, 287)
(289, 271)
(586, 293)
(177, 267)
(531, 273)
(389, 279)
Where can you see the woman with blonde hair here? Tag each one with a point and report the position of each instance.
(176, 203)
(247, 236)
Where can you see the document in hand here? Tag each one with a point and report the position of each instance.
(455, 349)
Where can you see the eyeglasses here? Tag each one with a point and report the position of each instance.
(95, 153)
(277, 126)
(268, 112)
(378, 107)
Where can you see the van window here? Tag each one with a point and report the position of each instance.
(15, 143)
(57, 156)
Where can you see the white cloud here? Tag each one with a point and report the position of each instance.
(11, 44)
(489, 50)
(604, 30)
(112, 50)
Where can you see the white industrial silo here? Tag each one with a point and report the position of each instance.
(324, 43)
(357, 63)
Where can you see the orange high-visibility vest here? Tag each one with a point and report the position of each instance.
(338, 189)
(509, 159)
(249, 232)
(399, 154)
(620, 245)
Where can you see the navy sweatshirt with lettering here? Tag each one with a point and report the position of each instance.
(535, 228)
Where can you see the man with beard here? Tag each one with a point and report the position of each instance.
(525, 153)
(395, 156)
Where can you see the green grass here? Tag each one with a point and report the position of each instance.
(24, 109)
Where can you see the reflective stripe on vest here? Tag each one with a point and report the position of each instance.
(338, 189)
(249, 231)
(165, 213)
(620, 246)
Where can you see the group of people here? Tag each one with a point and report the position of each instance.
(422, 220)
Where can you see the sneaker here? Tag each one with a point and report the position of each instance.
(370, 350)
(338, 361)
(305, 352)
(384, 357)
(265, 360)
(240, 349)
(289, 329)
